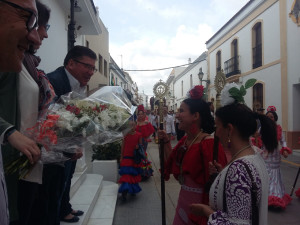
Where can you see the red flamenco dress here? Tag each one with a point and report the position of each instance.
(130, 171)
(146, 130)
(196, 175)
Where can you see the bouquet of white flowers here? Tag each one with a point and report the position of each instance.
(100, 118)
(74, 120)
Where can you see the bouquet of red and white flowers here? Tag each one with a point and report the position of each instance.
(74, 120)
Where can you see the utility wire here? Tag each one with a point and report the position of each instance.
(166, 68)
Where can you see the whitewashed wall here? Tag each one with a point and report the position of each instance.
(55, 47)
(185, 77)
(293, 55)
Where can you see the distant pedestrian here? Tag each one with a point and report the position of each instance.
(179, 133)
(130, 171)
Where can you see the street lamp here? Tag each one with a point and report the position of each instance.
(201, 75)
(74, 7)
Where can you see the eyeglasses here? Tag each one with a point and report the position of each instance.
(47, 26)
(89, 67)
(32, 21)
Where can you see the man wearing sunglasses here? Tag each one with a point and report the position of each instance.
(18, 22)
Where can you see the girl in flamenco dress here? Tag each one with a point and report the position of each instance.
(130, 171)
(277, 196)
(146, 129)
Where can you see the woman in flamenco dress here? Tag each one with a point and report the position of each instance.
(189, 160)
(130, 171)
(277, 196)
(146, 129)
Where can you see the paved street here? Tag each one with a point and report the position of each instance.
(145, 208)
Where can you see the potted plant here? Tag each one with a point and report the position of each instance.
(105, 160)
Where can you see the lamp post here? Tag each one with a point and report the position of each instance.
(71, 26)
(201, 75)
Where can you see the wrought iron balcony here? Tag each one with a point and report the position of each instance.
(257, 56)
(231, 66)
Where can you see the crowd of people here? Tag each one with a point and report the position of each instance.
(216, 188)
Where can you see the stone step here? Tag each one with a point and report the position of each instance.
(77, 180)
(103, 213)
(86, 196)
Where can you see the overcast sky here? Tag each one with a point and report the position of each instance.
(153, 34)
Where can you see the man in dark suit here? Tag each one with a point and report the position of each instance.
(79, 67)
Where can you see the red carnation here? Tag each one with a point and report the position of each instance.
(271, 109)
(196, 92)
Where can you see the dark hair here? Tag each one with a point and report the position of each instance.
(200, 106)
(43, 18)
(274, 115)
(43, 13)
(77, 52)
(245, 120)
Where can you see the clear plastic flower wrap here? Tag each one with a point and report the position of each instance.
(74, 120)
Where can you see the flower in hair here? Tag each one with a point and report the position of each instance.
(196, 92)
(226, 98)
(141, 108)
(271, 108)
(233, 93)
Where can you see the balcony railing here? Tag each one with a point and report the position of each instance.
(232, 66)
(257, 56)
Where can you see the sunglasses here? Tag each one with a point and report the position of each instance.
(87, 66)
(32, 21)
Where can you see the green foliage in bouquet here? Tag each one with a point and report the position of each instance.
(108, 151)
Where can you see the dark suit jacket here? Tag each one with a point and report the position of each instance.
(59, 81)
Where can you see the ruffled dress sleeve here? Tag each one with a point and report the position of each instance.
(195, 162)
(171, 167)
(146, 130)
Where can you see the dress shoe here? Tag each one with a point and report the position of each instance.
(77, 213)
(74, 219)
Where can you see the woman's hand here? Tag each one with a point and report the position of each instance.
(214, 167)
(201, 210)
(163, 135)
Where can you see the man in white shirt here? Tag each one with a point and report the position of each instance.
(168, 123)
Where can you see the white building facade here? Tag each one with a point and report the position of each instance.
(188, 77)
(262, 41)
(55, 47)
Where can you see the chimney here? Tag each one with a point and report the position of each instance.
(189, 61)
